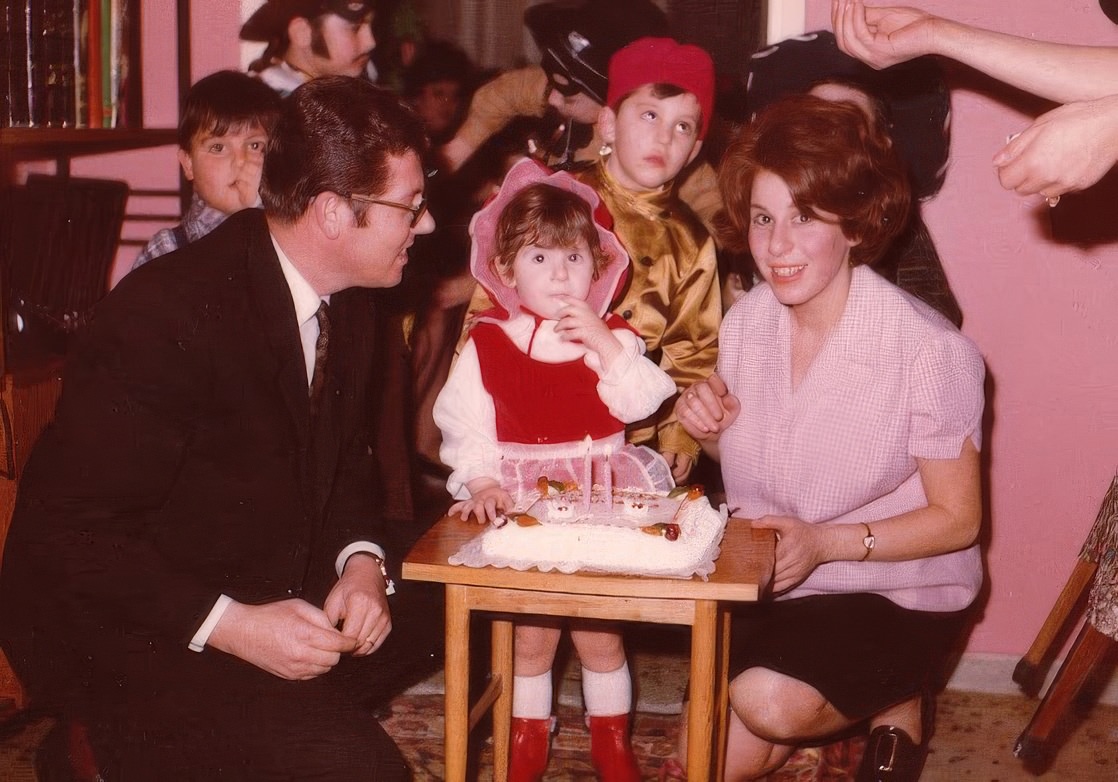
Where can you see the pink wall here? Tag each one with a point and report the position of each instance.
(214, 28)
(1045, 315)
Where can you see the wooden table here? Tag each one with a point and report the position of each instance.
(743, 571)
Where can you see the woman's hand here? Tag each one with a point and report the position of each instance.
(800, 548)
(487, 501)
(1069, 148)
(707, 409)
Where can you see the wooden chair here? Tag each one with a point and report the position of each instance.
(1097, 571)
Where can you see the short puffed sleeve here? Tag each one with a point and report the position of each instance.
(947, 396)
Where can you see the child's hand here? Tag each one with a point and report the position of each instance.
(487, 501)
(247, 185)
(578, 323)
(707, 408)
(680, 464)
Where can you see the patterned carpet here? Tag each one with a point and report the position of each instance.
(973, 740)
(416, 724)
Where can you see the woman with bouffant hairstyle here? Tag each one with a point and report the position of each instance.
(832, 161)
(846, 414)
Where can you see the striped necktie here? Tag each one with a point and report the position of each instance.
(321, 350)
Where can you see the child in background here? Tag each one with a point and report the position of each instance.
(225, 126)
(540, 372)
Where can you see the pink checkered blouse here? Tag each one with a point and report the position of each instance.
(895, 381)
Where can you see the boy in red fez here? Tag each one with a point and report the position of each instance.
(658, 108)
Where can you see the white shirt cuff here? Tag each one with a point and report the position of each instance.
(198, 642)
(365, 547)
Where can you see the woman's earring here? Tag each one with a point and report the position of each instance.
(605, 150)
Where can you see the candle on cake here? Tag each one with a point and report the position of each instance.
(607, 478)
(587, 474)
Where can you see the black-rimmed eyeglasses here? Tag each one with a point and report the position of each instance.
(417, 211)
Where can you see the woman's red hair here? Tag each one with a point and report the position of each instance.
(831, 159)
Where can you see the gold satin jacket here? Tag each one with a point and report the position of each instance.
(672, 297)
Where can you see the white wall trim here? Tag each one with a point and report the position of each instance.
(785, 18)
(993, 673)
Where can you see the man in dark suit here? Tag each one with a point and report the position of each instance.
(193, 570)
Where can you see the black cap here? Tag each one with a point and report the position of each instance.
(577, 39)
(914, 94)
(270, 20)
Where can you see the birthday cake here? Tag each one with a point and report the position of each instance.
(630, 531)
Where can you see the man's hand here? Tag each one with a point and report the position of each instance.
(290, 639)
(1070, 148)
(707, 409)
(881, 37)
(358, 606)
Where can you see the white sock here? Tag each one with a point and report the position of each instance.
(531, 696)
(607, 694)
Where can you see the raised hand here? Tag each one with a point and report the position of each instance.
(247, 184)
(1069, 148)
(883, 36)
(290, 639)
(578, 323)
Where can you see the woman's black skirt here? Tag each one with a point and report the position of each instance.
(863, 652)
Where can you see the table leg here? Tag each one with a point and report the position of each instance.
(501, 665)
(701, 713)
(457, 674)
(722, 688)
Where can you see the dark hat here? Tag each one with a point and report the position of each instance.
(577, 39)
(914, 95)
(270, 20)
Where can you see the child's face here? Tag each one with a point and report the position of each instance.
(652, 138)
(226, 169)
(542, 276)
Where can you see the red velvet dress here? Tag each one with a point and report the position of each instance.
(538, 402)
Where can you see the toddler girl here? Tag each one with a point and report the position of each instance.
(539, 374)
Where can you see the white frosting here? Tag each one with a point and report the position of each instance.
(560, 509)
(609, 539)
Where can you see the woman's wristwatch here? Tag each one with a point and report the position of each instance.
(869, 541)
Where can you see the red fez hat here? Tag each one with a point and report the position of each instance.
(663, 61)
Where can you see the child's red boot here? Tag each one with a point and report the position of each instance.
(610, 750)
(528, 747)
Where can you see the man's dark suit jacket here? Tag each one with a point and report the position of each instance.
(183, 463)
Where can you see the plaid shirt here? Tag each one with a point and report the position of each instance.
(200, 220)
(895, 382)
